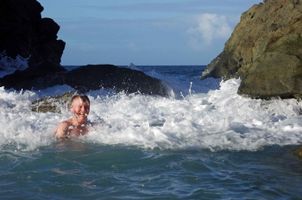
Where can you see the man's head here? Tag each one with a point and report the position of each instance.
(80, 107)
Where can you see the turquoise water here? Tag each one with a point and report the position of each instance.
(77, 170)
(204, 142)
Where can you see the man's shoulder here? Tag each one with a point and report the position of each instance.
(65, 123)
(62, 129)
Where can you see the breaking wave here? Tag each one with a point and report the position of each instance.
(217, 120)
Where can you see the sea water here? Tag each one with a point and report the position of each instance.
(202, 142)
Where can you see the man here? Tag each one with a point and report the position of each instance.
(77, 124)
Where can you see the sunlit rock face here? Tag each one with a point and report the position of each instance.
(265, 51)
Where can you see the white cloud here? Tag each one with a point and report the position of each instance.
(207, 28)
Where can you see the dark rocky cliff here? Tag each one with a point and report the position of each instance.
(265, 51)
(24, 32)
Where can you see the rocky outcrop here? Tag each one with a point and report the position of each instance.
(265, 51)
(93, 77)
(90, 77)
(24, 32)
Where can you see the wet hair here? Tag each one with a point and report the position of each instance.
(84, 98)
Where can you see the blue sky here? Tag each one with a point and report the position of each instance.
(144, 32)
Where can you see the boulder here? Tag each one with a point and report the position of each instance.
(86, 78)
(24, 32)
(92, 77)
(265, 51)
(298, 152)
(52, 104)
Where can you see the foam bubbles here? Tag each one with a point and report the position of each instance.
(10, 65)
(217, 120)
(20, 127)
(220, 119)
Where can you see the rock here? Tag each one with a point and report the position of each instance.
(23, 32)
(298, 152)
(52, 104)
(265, 51)
(92, 77)
(85, 78)
(34, 78)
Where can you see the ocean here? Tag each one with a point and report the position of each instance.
(202, 142)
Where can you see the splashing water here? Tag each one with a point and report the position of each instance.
(217, 120)
(9, 65)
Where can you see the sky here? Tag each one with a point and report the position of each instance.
(144, 32)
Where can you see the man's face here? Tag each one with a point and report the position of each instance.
(80, 109)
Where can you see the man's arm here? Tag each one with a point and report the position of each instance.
(62, 129)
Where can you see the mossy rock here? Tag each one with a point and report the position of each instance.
(298, 152)
(52, 104)
(265, 51)
(268, 77)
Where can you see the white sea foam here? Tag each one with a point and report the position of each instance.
(217, 120)
(9, 65)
